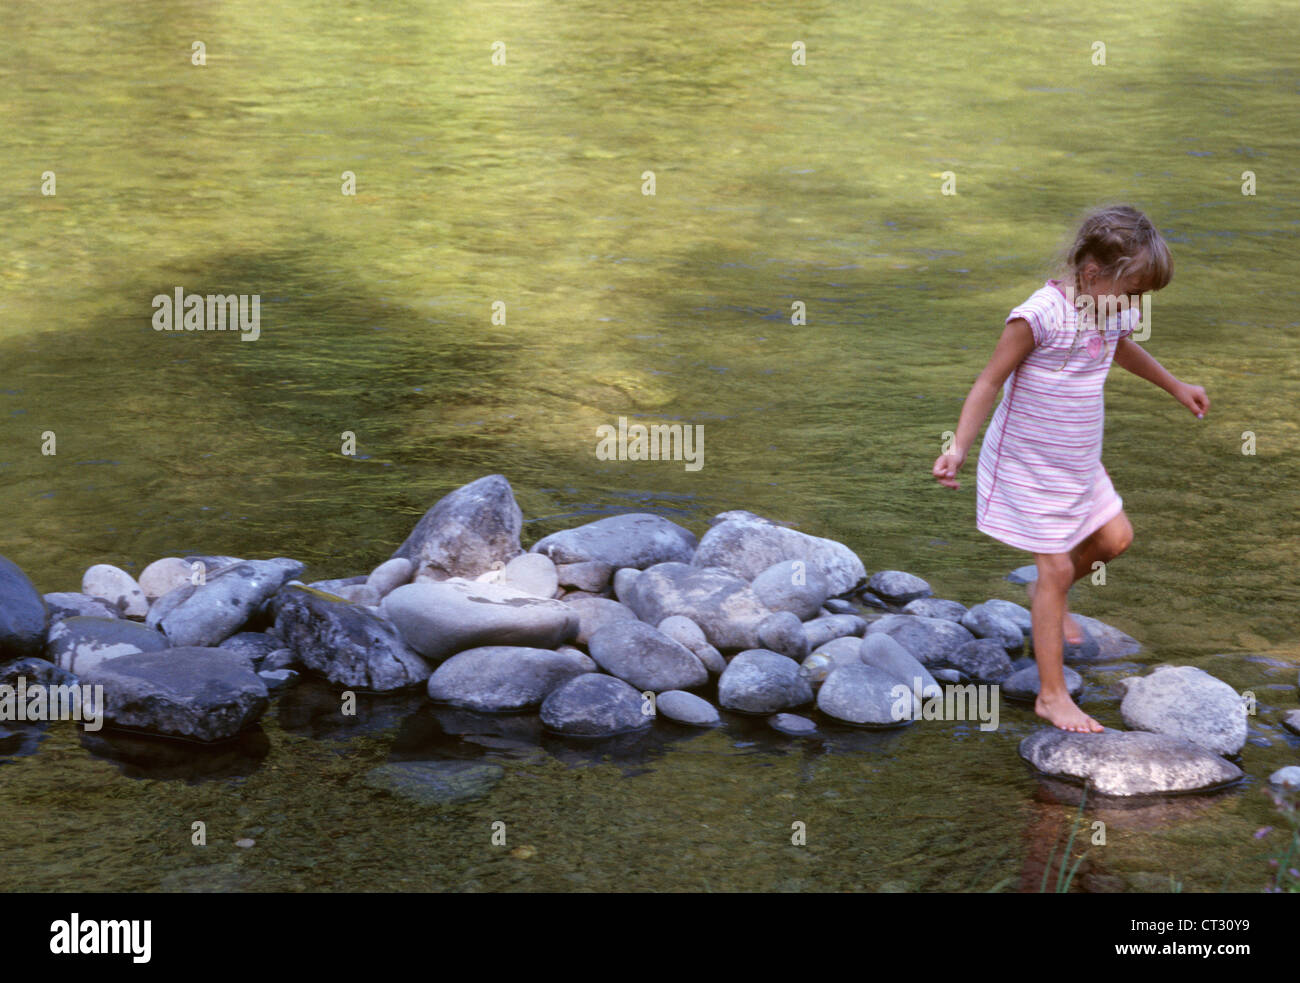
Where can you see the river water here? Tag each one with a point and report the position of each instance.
(521, 185)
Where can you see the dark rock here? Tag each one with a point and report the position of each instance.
(898, 586)
(76, 644)
(595, 705)
(468, 532)
(930, 640)
(758, 681)
(983, 659)
(635, 539)
(22, 614)
(499, 678)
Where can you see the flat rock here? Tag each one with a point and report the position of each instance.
(791, 586)
(200, 694)
(503, 678)
(866, 696)
(594, 613)
(468, 531)
(440, 619)
(22, 614)
(898, 586)
(349, 645)
(982, 659)
(634, 539)
(1023, 684)
(687, 708)
(117, 588)
(1127, 763)
(1186, 702)
(218, 608)
(436, 783)
(645, 657)
(758, 681)
(722, 604)
(792, 724)
(930, 640)
(595, 705)
(78, 644)
(70, 604)
(747, 544)
(935, 607)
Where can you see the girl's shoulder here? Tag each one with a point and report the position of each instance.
(1045, 310)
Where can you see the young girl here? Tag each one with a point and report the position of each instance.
(1041, 486)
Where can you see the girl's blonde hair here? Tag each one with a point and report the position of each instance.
(1121, 240)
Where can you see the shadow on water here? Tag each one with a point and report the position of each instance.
(146, 756)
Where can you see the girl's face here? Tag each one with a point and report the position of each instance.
(1096, 286)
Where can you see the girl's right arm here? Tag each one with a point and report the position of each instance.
(1016, 342)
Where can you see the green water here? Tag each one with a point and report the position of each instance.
(521, 183)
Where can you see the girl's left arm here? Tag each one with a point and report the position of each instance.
(1133, 357)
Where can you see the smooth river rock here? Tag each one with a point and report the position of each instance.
(883, 652)
(758, 681)
(594, 613)
(898, 586)
(1128, 763)
(217, 609)
(645, 657)
(792, 586)
(682, 629)
(866, 696)
(930, 640)
(983, 621)
(440, 619)
(390, 575)
(468, 531)
(201, 694)
(1186, 702)
(747, 544)
(1023, 685)
(503, 678)
(722, 604)
(22, 614)
(687, 708)
(345, 643)
(165, 575)
(982, 659)
(79, 644)
(819, 631)
(635, 539)
(783, 632)
(935, 607)
(592, 576)
(595, 705)
(117, 588)
(531, 573)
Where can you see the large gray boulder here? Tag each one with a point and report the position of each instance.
(22, 614)
(723, 605)
(930, 640)
(468, 531)
(78, 644)
(791, 586)
(345, 643)
(1127, 763)
(1186, 702)
(595, 705)
(503, 678)
(200, 694)
(758, 681)
(636, 539)
(214, 611)
(645, 657)
(747, 544)
(594, 613)
(440, 619)
(867, 696)
(883, 652)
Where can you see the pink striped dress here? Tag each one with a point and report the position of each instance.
(1041, 485)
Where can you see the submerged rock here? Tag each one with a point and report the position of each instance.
(1186, 702)
(201, 694)
(1128, 763)
(439, 619)
(78, 644)
(634, 539)
(502, 678)
(22, 614)
(645, 657)
(721, 604)
(468, 531)
(1023, 685)
(792, 724)
(747, 544)
(345, 643)
(436, 783)
(758, 681)
(595, 705)
(217, 609)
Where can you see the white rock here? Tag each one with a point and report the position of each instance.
(164, 575)
(117, 587)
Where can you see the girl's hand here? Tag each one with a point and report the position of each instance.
(1194, 398)
(946, 468)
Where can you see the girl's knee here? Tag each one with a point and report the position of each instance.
(1055, 570)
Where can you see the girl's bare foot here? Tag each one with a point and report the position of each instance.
(1069, 627)
(1064, 713)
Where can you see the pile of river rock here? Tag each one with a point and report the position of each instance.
(600, 629)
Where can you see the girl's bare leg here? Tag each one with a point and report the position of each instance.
(1054, 704)
(1105, 544)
